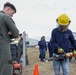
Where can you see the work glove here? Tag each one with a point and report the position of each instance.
(69, 54)
(60, 50)
(74, 53)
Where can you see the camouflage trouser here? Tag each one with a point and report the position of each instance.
(6, 70)
(5, 56)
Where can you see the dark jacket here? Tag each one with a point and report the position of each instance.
(50, 46)
(64, 40)
(20, 43)
(42, 45)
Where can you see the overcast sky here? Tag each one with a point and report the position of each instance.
(38, 17)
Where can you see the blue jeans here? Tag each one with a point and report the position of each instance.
(42, 54)
(64, 64)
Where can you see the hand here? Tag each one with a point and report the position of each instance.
(60, 50)
(71, 54)
(68, 55)
(9, 33)
(74, 53)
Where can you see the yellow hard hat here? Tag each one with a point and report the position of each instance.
(63, 19)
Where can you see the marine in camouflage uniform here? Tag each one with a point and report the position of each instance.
(8, 30)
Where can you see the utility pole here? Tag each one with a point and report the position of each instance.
(24, 49)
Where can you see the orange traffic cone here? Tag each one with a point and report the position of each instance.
(36, 72)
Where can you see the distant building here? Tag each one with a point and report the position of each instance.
(32, 42)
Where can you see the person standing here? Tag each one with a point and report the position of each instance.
(50, 49)
(63, 38)
(42, 48)
(8, 30)
(20, 44)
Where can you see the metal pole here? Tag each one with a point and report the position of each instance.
(24, 49)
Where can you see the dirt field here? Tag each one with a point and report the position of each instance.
(45, 68)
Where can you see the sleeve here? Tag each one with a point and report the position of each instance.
(53, 41)
(10, 24)
(73, 42)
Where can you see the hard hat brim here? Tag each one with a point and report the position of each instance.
(63, 24)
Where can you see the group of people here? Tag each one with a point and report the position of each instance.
(17, 49)
(20, 44)
(61, 37)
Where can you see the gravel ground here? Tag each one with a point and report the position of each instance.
(44, 68)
